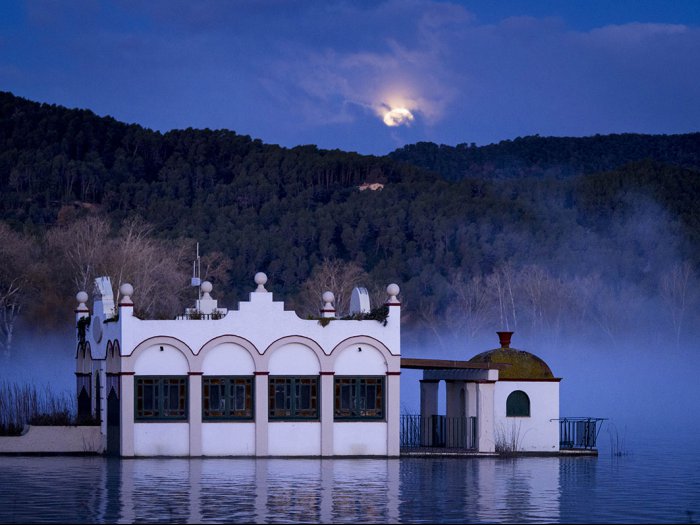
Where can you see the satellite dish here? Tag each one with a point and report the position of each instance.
(359, 301)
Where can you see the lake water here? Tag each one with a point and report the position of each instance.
(648, 485)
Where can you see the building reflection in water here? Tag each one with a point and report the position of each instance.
(173, 490)
(258, 490)
(100, 490)
(337, 490)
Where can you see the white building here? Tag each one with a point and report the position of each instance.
(260, 381)
(503, 400)
(256, 381)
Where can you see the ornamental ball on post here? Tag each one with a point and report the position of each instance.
(260, 280)
(393, 290)
(206, 287)
(82, 298)
(328, 299)
(127, 291)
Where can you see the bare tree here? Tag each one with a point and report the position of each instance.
(675, 289)
(501, 286)
(333, 275)
(157, 269)
(79, 250)
(18, 261)
(473, 303)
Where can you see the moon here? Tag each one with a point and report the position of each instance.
(398, 117)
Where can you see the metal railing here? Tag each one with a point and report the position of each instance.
(579, 432)
(199, 316)
(438, 431)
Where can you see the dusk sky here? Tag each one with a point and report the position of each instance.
(363, 76)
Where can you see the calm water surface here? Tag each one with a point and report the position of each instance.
(645, 486)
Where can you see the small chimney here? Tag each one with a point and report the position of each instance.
(504, 338)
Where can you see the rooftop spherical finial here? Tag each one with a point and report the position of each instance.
(328, 297)
(126, 289)
(393, 290)
(261, 280)
(206, 287)
(81, 297)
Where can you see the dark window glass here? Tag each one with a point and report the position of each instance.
(518, 404)
(293, 397)
(227, 397)
(359, 397)
(161, 397)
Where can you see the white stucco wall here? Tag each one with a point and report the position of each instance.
(161, 360)
(359, 359)
(161, 439)
(537, 433)
(228, 439)
(293, 359)
(360, 438)
(286, 438)
(54, 439)
(228, 359)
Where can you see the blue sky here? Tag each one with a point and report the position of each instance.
(328, 72)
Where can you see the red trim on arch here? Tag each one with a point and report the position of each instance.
(195, 373)
(393, 373)
(327, 373)
(259, 373)
(156, 337)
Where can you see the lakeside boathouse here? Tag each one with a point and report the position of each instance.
(260, 381)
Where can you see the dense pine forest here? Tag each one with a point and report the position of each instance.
(548, 236)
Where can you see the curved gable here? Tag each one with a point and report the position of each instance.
(160, 356)
(294, 355)
(229, 355)
(365, 355)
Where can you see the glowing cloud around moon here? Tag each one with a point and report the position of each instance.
(398, 117)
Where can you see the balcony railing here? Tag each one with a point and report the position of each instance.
(200, 316)
(438, 431)
(579, 432)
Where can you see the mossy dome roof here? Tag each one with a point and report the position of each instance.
(523, 365)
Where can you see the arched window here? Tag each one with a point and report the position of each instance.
(518, 404)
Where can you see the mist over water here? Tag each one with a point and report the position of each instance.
(42, 359)
(648, 392)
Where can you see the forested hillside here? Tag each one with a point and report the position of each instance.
(551, 156)
(547, 236)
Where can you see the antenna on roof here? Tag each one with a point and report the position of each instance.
(196, 279)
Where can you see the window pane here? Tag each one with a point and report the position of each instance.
(294, 397)
(161, 397)
(359, 397)
(518, 404)
(146, 398)
(280, 397)
(214, 398)
(227, 397)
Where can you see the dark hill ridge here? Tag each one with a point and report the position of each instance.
(606, 209)
(551, 156)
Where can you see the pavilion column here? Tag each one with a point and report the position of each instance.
(486, 440)
(261, 413)
(393, 407)
(428, 409)
(195, 413)
(327, 399)
(126, 423)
